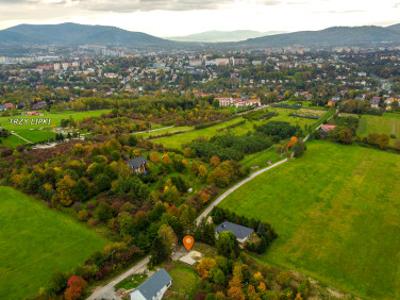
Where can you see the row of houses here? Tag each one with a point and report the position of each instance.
(11, 106)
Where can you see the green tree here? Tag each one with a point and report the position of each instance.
(227, 245)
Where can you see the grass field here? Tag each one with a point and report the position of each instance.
(388, 124)
(176, 141)
(35, 242)
(337, 213)
(39, 133)
(260, 159)
(184, 282)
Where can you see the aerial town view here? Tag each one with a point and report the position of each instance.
(198, 149)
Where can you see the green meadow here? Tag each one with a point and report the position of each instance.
(178, 140)
(337, 213)
(39, 132)
(36, 242)
(388, 124)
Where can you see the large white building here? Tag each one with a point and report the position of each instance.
(238, 102)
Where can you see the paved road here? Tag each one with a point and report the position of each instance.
(107, 292)
(217, 201)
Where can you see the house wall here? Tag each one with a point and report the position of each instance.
(136, 295)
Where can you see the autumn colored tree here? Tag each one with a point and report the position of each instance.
(166, 159)
(64, 189)
(154, 157)
(215, 161)
(205, 266)
(75, 287)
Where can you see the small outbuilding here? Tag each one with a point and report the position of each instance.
(242, 233)
(153, 288)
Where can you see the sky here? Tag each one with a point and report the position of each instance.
(168, 18)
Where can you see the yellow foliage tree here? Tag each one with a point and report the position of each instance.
(204, 267)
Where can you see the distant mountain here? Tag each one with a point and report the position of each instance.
(222, 36)
(395, 27)
(365, 36)
(70, 34)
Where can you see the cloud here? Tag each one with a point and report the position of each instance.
(140, 5)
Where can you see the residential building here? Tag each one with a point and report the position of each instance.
(238, 102)
(241, 233)
(153, 288)
(138, 165)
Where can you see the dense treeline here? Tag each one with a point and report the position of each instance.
(229, 147)
(279, 130)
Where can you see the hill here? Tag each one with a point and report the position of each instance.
(222, 36)
(365, 36)
(70, 34)
(395, 27)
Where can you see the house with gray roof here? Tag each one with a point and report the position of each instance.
(241, 233)
(138, 165)
(153, 288)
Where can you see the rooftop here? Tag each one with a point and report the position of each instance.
(239, 231)
(154, 284)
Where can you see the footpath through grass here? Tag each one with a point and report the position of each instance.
(337, 213)
(36, 242)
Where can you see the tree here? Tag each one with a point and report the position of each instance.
(217, 276)
(205, 266)
(215, 161)
(57, 283)
(227, 245)
(64, 189)
(168, 236)
(154, 157)
(299, 148)
(158, 252)
(75, 287)
(379, 140)
(103, 212)
(102, 183)
(342, 135)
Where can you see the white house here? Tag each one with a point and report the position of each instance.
(153, 288)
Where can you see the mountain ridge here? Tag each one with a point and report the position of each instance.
(218, 36)
(72, 34)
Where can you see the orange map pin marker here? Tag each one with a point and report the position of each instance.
(188, 242)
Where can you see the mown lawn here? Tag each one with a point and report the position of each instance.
(176, 141)
(337, 213)
(388, 124)
(185, 282)
(261, 159)
(40, 133)
(36, 242)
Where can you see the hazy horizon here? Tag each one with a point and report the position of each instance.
(186, 17)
